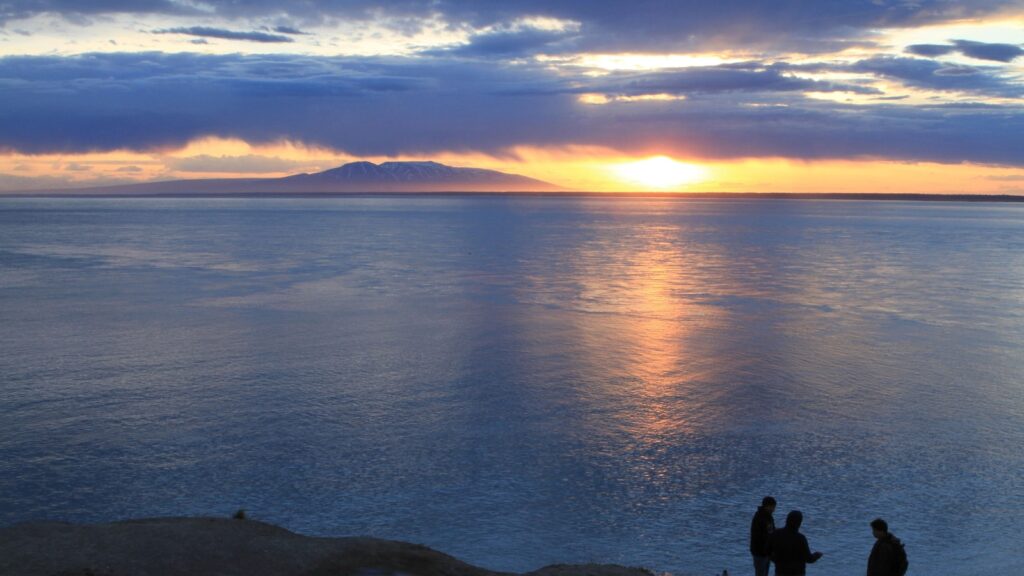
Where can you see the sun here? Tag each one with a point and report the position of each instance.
(660, 172)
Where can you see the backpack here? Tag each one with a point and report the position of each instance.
(900, 556)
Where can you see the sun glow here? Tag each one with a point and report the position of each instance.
(660, 172)
(575, 167)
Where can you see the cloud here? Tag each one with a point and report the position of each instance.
(978, 50)
(288, 30)
(77, 9)
(131, 168)
(11, 182)
(934, 75)
(207, 32)
(931, 50)
(988, 51)
(638, 25)
(956, 71)
(15, 183)
(253, 163)
(421, 106)
(718, 79)
(511, 43)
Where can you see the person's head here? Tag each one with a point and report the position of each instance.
(794, 519)
(879, 528)
(768, 503)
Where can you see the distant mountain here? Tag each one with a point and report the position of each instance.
(354, 177)
(417, 175)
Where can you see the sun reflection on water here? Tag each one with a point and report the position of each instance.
(640, 337)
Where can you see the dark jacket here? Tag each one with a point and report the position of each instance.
(761, 528)
(883, 559)
(790, 551)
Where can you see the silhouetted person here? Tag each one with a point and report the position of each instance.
(888, 558)
(761, 528)
(790, 551)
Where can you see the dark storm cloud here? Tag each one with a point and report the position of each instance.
(388, 106)
(208, 32)
(979, 50)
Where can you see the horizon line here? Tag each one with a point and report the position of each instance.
(910, 196)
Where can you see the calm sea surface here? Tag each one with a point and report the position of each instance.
(523, 381)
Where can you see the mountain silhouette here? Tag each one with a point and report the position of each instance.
(351, 178)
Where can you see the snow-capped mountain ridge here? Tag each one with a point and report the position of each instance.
(411, 172)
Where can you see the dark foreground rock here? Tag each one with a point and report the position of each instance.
(223, 547)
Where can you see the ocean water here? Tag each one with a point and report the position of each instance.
(520, 381)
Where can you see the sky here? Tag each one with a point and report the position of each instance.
(678, 95)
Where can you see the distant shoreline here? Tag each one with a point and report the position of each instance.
(661, 195)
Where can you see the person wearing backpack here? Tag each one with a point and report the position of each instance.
(888, 557)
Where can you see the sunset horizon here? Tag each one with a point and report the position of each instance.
(511, 287)
(655, 175)
(658, 97)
